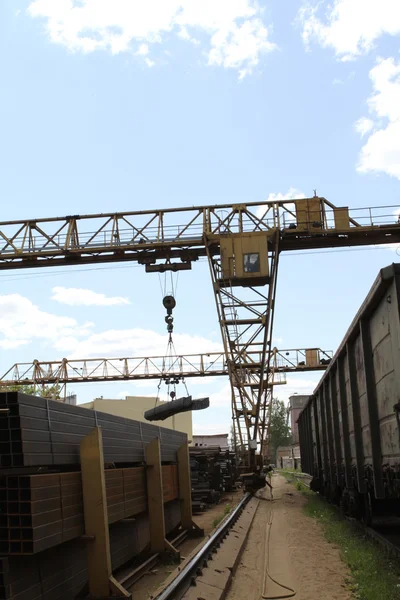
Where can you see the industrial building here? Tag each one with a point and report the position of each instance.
(217, 439)
(134, 407)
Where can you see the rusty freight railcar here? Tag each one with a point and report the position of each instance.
(350, 427)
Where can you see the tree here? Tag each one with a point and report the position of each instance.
(279, 430)
(51, 392)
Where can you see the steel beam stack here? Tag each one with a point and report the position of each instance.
(36, 431)
(43, 555)
(213, 472)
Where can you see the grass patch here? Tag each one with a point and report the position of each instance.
(218, 519)
(227, 509)
(301, 487)
(374, 576)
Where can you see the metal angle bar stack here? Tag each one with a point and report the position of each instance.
(213, 472)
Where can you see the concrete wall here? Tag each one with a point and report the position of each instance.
(288, 457)
(134, 407)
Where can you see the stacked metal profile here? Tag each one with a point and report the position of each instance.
(212, 472)
(41, 513)
(36, 431)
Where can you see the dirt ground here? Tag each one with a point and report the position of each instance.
(143, 589)
(300, 559)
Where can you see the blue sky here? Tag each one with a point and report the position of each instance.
(113, 105)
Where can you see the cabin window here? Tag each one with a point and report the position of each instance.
(251, 262)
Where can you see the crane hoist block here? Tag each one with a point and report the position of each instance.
(244, 258)
(174, 407)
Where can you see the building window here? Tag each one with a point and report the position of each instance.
(251, 262)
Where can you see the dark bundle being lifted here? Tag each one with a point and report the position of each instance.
(174, 407)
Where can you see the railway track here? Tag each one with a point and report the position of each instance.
(215, 560)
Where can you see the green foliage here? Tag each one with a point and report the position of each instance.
(52, 391)
(374, 576)
(301, 487)
(217, 520)
(279, 430)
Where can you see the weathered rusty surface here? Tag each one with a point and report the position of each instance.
(363, 381)
(40, 432)
(61, 572)
(46, 510)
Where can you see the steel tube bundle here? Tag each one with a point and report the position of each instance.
(60, 573)
(42, 511)
(37, 432)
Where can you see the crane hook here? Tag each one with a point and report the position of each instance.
(169, 303)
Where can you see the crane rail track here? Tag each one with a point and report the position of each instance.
(186, 576)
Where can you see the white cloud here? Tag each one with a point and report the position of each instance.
(84, 297)
(363, 126)
(382, 149)
(291, 193)
(237, 37)
(240, 47)
(11, 344)
(133, 342)
(143, 50)
(21, 322)
(350, 27)
(185, 35)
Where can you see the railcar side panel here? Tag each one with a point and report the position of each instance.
(351, 424)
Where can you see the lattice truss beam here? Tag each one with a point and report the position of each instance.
(178, 233)
(137, 368)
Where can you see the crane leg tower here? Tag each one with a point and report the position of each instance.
(244, 276)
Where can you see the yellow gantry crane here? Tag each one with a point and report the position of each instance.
(242, 243)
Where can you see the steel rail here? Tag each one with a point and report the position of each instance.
(178, 586)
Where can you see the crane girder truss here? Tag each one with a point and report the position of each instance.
(139, 368)
(154, 239)
(148, 236)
